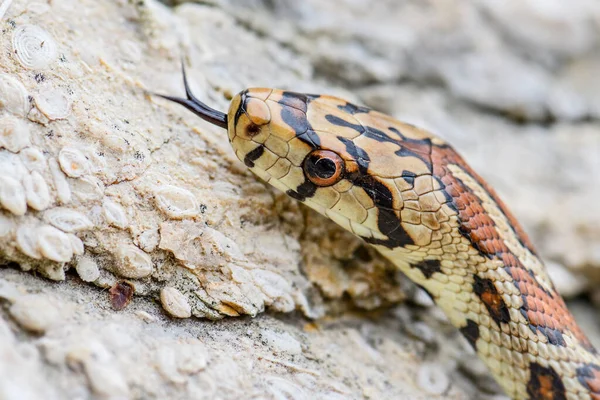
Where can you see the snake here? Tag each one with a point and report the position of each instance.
(411, 195)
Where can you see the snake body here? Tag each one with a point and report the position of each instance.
(412, 196)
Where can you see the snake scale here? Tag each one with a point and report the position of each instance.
(412, 196)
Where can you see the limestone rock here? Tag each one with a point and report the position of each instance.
(102, 184)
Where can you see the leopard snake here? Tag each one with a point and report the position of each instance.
(412, 196)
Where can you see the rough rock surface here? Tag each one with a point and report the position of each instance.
(111, 199)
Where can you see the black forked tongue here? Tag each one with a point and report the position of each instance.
(196, 106)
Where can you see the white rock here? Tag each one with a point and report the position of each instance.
(73, 162)
(35, 313)
(175, 303)
(148, 240)
(6, 225)
(68, 220)
(12, 195)
(13, 96)
(76, 244)
(14, 134)
(567, 283)
(281, 342)
(114, 214)
(36, 191)
(87, 269)
(27, 241)
(33, 159)
(63, 191)
(34, 47)
(54, 244)
(132, 262)
(176, 202)
(87, 188)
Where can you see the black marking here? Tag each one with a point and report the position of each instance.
(429, 267)
(241, 108)
(544, 383)
(387, 221)
(409, 177)
(407, 147)
(589, 377)
(299, 101)
(335, 120)
(354, 109)
(306, 190)
(471, 332)
(311, 138)
(295, 118)
(360, 156)
(253, 156)
(554, 336)
(493, 301)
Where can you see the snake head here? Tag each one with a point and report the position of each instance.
(345, 161)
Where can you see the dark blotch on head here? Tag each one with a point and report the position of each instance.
(471, 332)
(545, 384)
(354, 109)
(253, 156)
(252, 130)
(429, 267)
(493, 301)
(298, 101)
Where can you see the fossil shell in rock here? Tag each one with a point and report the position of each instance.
(175, 303)
(12, 195)
(27, 241)
(54, 244)
(87, 269)
(13, 96)
(132, 262)
(34, 47)
(73, 162)
(33, 159)
(114, 214)
(176, 202)
(36, 191)
(68, 220)
(53, 103)
(63, 190)
(14, 134)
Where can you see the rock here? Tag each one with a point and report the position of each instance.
(35, 313)
(99, 176)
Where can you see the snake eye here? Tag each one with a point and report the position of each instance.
(323, 167)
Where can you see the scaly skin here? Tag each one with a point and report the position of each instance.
(409, 194)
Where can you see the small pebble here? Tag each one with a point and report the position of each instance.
(87, 269)
(121, 294)
(175, 303)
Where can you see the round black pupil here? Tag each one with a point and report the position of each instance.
(324, 168)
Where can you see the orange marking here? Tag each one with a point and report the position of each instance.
(544, 310)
